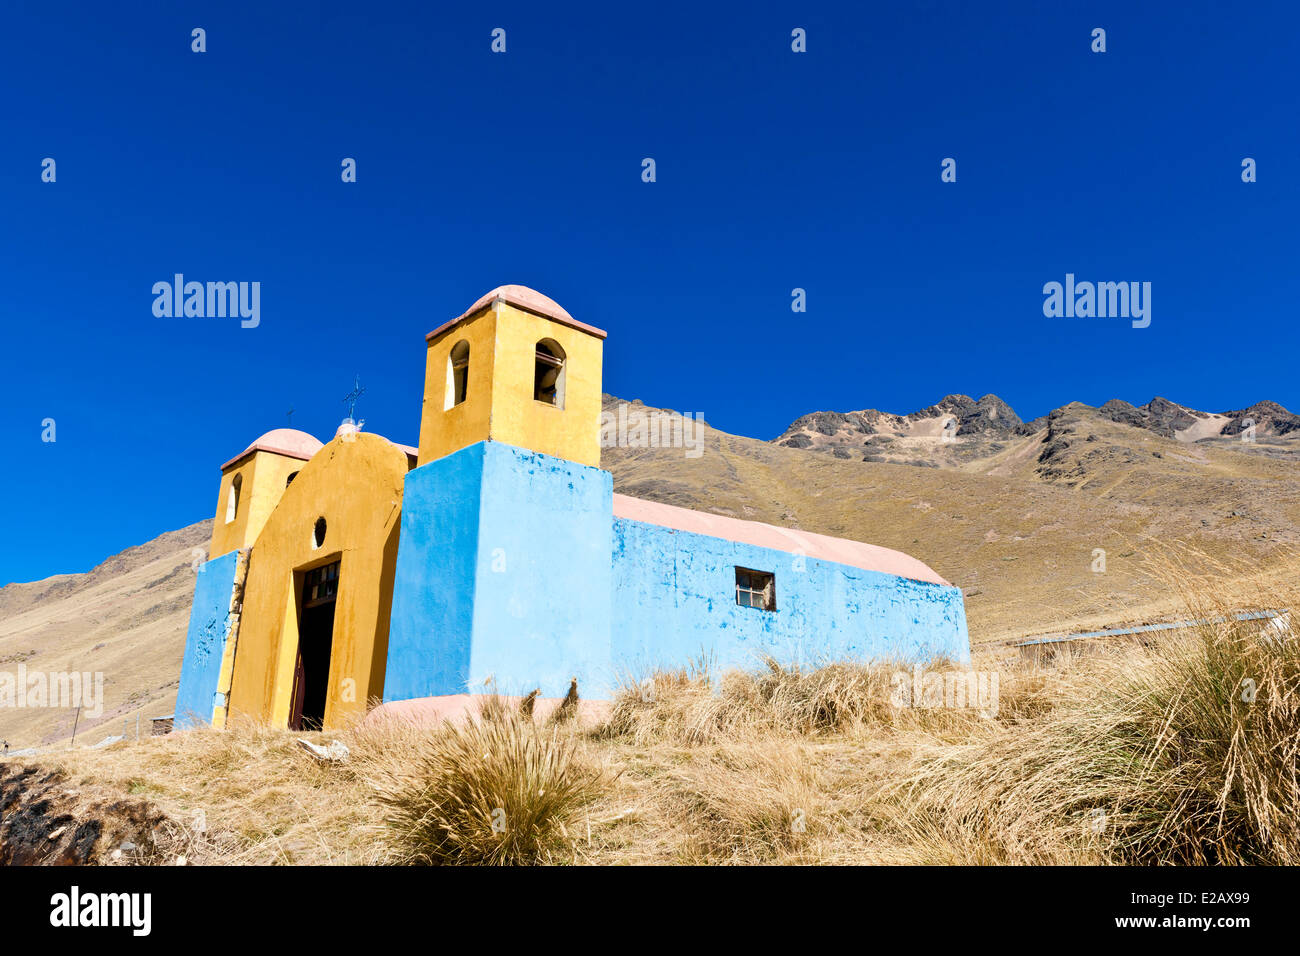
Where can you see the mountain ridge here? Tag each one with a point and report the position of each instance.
(991, 413)
(961, 431)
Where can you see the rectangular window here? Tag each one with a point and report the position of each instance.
(756, 589)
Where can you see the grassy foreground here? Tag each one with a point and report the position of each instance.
(1181, 752)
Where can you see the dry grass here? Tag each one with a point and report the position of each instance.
(835, 699)
(498, 789)
(247, 795)
(1155, 758)
(1135, 754)
(1182, 752)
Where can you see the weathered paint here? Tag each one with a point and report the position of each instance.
(514, 572)
(856, 554)
(499, 403)
(213, 617)
(675, 602)
(503, 576)
(355, 483)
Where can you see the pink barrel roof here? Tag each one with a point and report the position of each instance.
(823, 547)
(289, 442)
(525, 298)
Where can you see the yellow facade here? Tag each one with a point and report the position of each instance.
(483, 375)
(499, 399)
(262, 476)
(355, 484)
(444, 430)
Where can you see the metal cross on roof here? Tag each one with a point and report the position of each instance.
(289, 416)
(351, 397)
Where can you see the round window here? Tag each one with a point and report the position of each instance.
(318, 534)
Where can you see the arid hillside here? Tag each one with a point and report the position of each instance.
(1059, 525)
(1048, 527)
(125, 618)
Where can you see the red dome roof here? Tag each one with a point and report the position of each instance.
(525, 298)
(289, 442)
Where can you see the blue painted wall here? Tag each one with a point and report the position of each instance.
(544, 575)
(205, 641)
(675, 602)
(434, 586)
(512, 567)
(503, 572)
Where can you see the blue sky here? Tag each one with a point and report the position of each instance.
(775, 170)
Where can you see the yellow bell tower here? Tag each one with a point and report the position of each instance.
(514, 368)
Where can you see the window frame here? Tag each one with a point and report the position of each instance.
(746, 579)
(320, 584)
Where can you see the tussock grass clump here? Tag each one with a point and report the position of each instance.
(839, 698)
(1221, 724)
(829, 699)
(1182, 753)
(495, 790)
(678, 705)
